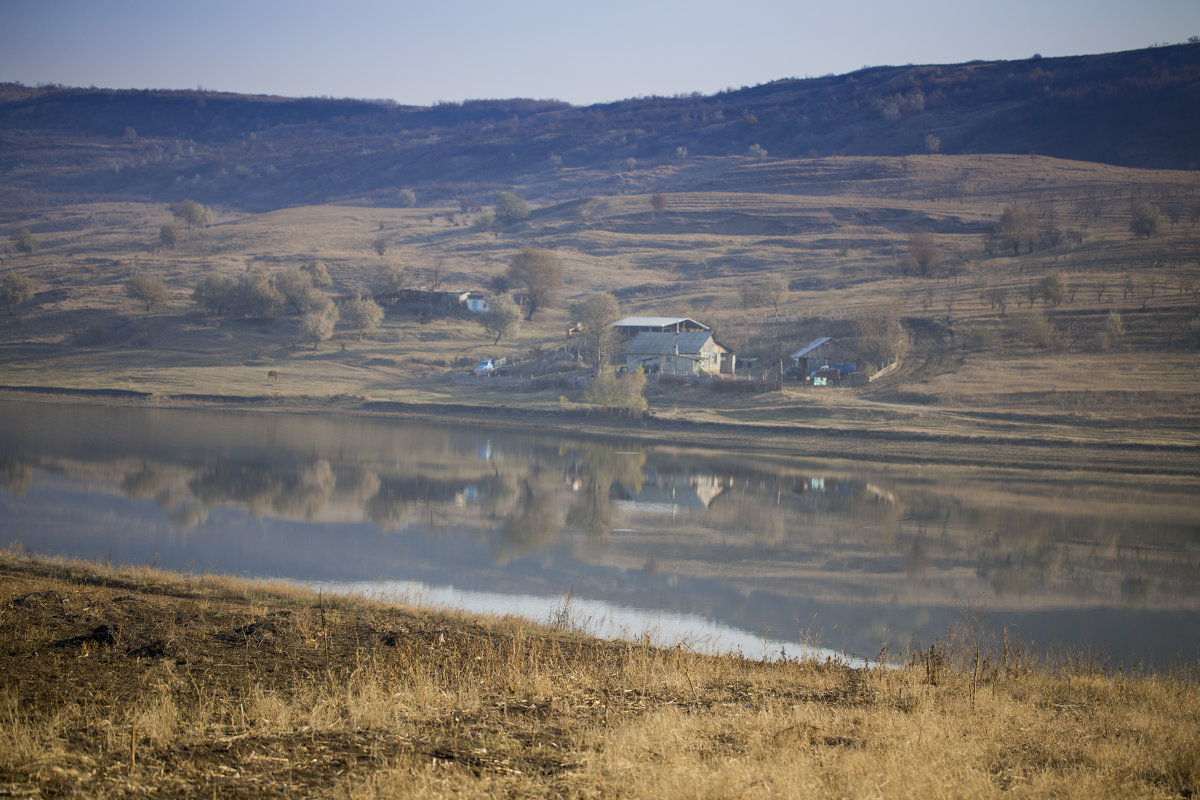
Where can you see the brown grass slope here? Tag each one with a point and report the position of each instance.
(130, 682)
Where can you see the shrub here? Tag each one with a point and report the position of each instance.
(624, 394)
(510, 208)
(1035, 329)
(15, 290)
(24, 242)
(1146, 222)
(146, 289)
(169, 235)
(1113, 330)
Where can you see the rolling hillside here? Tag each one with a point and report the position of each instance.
(58, 144)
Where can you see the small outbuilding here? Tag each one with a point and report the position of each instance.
(826, 355)
(476, 302)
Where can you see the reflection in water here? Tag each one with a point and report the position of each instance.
(534, 524)
(859, 558)
(15, 476)
(595, 473)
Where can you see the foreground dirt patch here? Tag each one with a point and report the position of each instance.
(132, 682)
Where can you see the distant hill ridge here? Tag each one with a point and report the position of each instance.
(1137, 108)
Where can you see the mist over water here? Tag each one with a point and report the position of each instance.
(720, 550)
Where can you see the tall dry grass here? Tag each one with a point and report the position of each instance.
(272, 690)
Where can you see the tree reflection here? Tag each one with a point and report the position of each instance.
(499, 493)
(144, 483)
(593, 511)
(305, 495)
(360, 484)
(254, 486)
(187, 516)
(386, 509)
(16, 477)
(535, 524)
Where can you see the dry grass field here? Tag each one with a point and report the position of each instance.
(838, 230)
(132, 682)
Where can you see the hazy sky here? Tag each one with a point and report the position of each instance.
(422, 52)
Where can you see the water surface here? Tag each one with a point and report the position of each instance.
(723, 550)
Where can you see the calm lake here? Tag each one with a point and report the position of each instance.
(720, 550)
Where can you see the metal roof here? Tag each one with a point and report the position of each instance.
(802, 352)
(654, 322)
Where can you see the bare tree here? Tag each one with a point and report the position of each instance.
(146, 289)
(318, 324)
(14, 290)
(1147, 221)
(923, 253)
(360, 314)
(510, 208)
(1113, 330)
(23, 240)
(169, 235)
(596, 316)
(775, 291)
(299, 294)
(752, 294)
(997, 298)
(388, 285)
(539, 272)
(190, 213)
(319, 272)
(1054, 288)
(1017, 229)
(502, 317)
(215, 293)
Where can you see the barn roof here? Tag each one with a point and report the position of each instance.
(655, 322)
(816, 343)
(803, 351)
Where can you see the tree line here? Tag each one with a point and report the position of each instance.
(299, 291)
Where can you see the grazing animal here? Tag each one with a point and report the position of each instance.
(272, 376)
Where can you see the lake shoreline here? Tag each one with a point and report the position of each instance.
(1024, 450)
(135, 680)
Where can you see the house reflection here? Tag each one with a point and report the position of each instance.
(670, 492)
